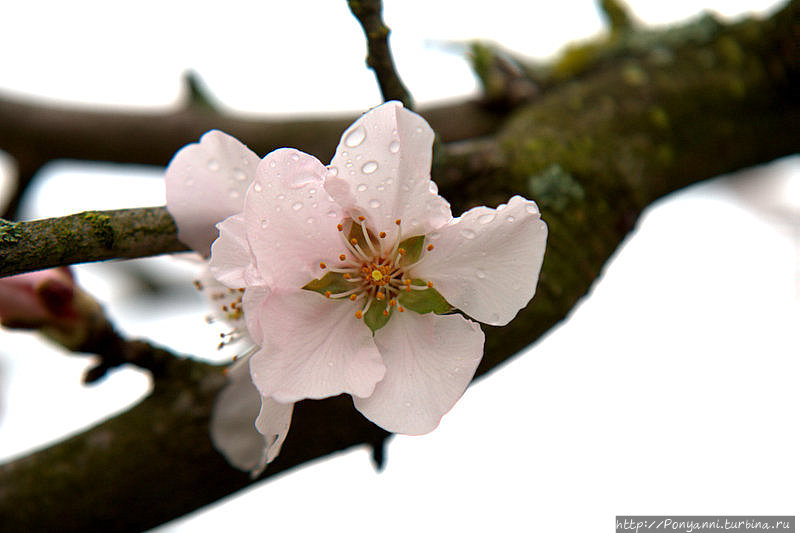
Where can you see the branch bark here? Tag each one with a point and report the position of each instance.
(593, 151)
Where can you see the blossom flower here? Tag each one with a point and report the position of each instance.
(245, 427)
(365, 265)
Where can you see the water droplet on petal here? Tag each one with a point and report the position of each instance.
(264, 223)
(281, 197)
(361, 187)
(312, 191)
(394, 147)
(310, 220)
(374, 204)
(239, 175)
(468, 233)
(297, 206)
(348, 164)
(480, 274)
(531, 208)
(369, 167)
(189, 180)
(333, 172)
(407, 404)
(389, 181)
(433, 187)
(314, 205)
(257, 187)
(272, 164)
(435, 235)
(213, 165)
(380, 187)
(486, 218)
(355, 137)
(295, 157)
(510, 219)
(245, 161)
(419, 129)
(332, 213)
(233, 193)
(330, 364)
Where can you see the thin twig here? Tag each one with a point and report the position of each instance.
(379, 56)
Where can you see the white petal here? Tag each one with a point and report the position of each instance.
(486, 262)
(206, 183)
(252, 301)
(232, 262)
(291, 221)
(273, 423)
(430, 360)
(233, 422)
(313, 347)
(382, 171)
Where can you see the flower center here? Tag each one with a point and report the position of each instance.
(373, 272)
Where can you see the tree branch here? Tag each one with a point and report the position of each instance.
(379, 56)
(593, 152)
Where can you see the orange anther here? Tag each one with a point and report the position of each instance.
(385, 312)
(359, 314)
(392, 303)
(397, 221)
(361, 219)
(342, 257)
(346, 275)
(401, 251)
(327, 294)
(430, 284)
(323, 265)
(400, 308)
(352, 297)
(382, 235)
(339, 227)
(379, 295)
(429, 247)
(408, 288)
(353, 241)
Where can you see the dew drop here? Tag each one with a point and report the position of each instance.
(380, 187)
(330, 364)
(480, 274)
(532, 209)
(486, 218)
(272, 164)
(245, 161)
(310, 220)
(394, 147)
(435, 235)
(361, 187)
(419, 129)
(344, 153)
(239, 175)
(333, 172)
(314, 205)
(510, 219)
(369, 167)
(295, 157)
(257, 187)
(332, 213)
(359, 157)
(213, 164)
(233, 193)
(189, 180)
(312, 191)
(374, 204)
(264, 223)
(407, 404)
(355, 137)
(348, 164)
(281, 197)
(406, 188)
(297, 206)
(433, 187)
(468, 233)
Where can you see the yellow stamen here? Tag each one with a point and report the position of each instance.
(376, 275)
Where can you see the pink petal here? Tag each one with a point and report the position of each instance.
(291, 221)
(232, 262)
(430, 360)
(206, 183)
(313, 347)
(254, 297)
(486, 262)
(237, 412)
(382, 168)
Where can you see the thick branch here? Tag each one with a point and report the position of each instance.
(88, 236)
(379, 56)
(592, 152)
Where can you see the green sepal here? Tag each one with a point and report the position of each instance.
(413, 248)
(374, 317)
(424, 301)
(332, 281)
(358, 234)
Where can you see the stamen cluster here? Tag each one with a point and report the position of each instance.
(378, 271)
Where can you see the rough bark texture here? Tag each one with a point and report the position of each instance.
(597, 146)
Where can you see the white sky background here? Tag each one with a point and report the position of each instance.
(672, 389)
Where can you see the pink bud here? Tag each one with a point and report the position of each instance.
(37, 299)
